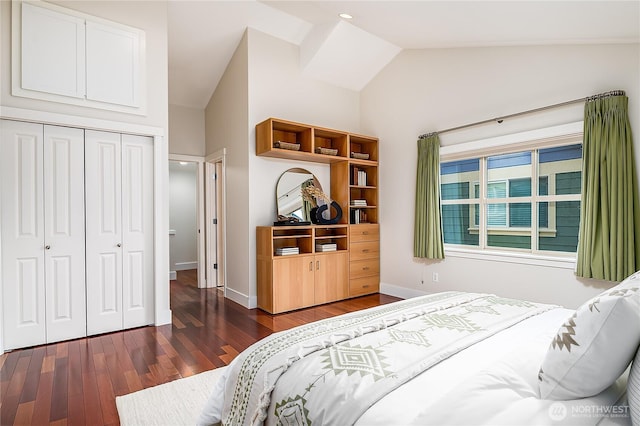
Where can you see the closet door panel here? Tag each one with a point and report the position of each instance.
(103, 231)
(64, 233)
(137, 224)
(21, 156)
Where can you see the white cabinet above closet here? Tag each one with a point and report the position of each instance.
(62, 55)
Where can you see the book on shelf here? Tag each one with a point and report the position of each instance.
(322, 247)
(359, 203)
(358, 216)
(358, 177)
(362, 178)
(283, 251)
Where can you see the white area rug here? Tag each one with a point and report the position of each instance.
(174, 403)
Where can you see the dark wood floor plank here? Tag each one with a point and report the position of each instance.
(30, 388)
(60, 395)
(42, 408)
(76, 382)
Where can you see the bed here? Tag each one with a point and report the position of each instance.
(445, 358)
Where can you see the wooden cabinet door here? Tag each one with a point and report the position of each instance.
(293, 283)
(331, 277)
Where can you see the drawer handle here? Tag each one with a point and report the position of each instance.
(365, 251)
(318, 265)
(366, 286)
(311, 266)
(365, 232)
(366, 268)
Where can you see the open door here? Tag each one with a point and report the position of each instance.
(215, 220)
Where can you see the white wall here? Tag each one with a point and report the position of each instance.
(186, 130)
(183, 246)
(429, 90)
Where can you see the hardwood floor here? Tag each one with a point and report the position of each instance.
(76, 382)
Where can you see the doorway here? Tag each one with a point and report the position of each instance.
(186, 217)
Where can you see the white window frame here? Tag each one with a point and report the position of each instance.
(565, 134)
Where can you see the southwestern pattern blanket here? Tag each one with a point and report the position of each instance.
(332, 371)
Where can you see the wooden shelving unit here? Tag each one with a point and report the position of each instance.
(293, 281)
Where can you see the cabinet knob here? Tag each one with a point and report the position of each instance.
(48, 247)
(366, 268)
(118, 245)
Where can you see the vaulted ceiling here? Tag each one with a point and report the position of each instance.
(348, 53)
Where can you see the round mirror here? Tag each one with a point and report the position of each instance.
(289, 200)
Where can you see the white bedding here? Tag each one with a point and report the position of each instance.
(495, 382)
(492, 382)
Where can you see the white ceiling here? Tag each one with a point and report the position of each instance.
(204, 34)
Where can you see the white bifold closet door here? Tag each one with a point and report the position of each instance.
(119, 231)
(43, 258)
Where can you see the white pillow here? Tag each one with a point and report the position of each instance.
(595, 345)
(633, 390)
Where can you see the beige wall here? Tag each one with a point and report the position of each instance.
(226, 127)
(186, 130)
(150, 17)
(429, 90)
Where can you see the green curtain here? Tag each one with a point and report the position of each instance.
(609, 236)
(427, 241)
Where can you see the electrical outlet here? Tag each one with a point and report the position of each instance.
(435, 278)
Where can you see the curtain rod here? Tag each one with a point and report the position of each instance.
(544, 108)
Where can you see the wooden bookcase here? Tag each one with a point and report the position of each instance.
(293, 281)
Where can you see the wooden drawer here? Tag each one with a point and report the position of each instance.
(364, 250)
(359, 233)
(363, 268)
(364, 285)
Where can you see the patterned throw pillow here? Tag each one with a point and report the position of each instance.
(633, 390)
(595, 345)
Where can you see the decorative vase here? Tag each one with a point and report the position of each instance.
(321, 209)
(313, 215)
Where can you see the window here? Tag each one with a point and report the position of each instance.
(526, 200)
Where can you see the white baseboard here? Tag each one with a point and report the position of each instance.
(163, 317)
(401, 292)
(183, 266)
(173, 275)
(236, 296)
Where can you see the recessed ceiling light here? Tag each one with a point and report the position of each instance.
(345, 16)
